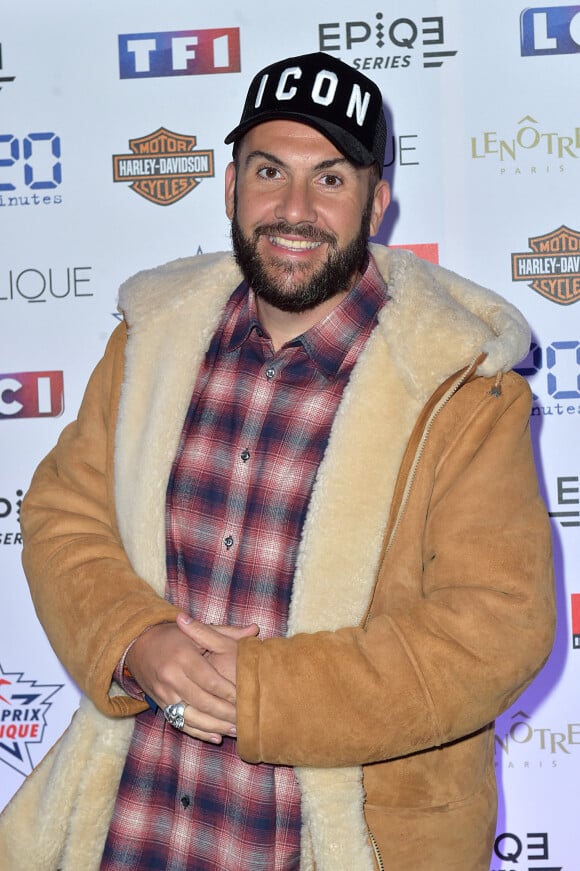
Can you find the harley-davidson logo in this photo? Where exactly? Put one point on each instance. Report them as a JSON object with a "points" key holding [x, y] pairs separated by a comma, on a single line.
{"points": [[552, 267], [163, 166]]}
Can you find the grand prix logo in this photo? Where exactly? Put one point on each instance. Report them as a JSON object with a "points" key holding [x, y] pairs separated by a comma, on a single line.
{"points": [[23, 709], [552, 267], [163, 166]]}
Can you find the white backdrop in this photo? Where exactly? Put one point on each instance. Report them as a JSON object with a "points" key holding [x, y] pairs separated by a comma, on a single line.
{"points": [[484, 153]]}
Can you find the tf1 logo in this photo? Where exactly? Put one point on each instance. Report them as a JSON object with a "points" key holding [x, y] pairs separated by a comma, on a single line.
{"points": [[179, 53], [31, 394], [550, 30]]}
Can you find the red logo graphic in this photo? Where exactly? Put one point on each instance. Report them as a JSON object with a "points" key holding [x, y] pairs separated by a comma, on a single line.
{"points": [[575, 597], [31, 394], [163, 167], [426, 251]]}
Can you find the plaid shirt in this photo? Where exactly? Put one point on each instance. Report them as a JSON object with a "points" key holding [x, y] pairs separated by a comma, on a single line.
{"points": [[253, 439]]}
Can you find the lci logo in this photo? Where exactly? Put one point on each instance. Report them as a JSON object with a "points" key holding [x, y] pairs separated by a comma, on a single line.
{"points": [[179, 53], [31, 394], [163, 167], [23, 708], [550, 30], [552, 267]]}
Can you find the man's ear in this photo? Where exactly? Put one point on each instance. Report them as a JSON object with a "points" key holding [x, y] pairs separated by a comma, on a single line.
{"points": [[230, 189], [381, 200]]}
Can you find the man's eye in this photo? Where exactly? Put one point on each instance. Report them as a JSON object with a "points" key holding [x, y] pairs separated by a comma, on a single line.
{"points": [[269, 172], [332, 181]]}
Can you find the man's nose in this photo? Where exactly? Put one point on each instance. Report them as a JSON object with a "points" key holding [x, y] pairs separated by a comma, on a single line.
{"points": [[296, 203]]}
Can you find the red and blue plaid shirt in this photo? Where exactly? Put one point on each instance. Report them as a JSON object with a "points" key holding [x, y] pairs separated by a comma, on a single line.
{"points": [[251, 444]]}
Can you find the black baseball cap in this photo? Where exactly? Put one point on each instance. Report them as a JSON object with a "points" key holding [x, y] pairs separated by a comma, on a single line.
{"points": [[325, 93]]}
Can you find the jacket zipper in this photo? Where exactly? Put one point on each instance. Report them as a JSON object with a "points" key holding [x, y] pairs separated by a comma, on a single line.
{"points": [[377, 852], [466, 374], [439, 405]]}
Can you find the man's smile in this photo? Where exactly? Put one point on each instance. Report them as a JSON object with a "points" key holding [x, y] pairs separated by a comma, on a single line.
{"points": [[294, 244]]}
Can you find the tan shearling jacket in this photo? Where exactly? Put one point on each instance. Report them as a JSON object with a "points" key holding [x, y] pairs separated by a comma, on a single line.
{"points": [[422, 603]]}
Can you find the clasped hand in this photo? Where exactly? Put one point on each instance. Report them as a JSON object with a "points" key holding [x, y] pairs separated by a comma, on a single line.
{"points": [[195, 663]]}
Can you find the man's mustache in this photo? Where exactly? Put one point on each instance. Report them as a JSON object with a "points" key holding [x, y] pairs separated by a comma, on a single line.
{"points": [[305, 231]]}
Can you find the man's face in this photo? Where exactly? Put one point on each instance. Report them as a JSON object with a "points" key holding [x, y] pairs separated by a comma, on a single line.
{"points": [[301, 215]]}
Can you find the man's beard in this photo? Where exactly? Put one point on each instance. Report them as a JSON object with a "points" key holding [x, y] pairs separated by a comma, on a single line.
{"points": [[334, 276]]}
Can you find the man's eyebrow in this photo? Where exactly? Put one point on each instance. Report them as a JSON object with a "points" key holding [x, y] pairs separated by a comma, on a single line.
{"points": [[331, 163]]}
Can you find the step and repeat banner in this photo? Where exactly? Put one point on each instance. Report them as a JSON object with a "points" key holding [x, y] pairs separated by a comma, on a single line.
{"points": [[112, 120]]}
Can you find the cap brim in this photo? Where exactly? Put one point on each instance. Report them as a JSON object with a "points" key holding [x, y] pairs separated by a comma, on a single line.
{"points": [[346, 144]]}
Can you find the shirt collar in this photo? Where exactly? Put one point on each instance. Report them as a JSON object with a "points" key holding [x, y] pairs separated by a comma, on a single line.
{"points": [[327, 342]]}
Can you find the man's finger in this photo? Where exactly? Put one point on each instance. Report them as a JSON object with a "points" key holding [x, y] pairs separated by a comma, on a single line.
{"points": [[207, 636]]}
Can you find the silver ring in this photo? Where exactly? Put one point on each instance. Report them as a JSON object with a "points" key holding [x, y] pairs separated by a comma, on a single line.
{"points": [[174, 714]]}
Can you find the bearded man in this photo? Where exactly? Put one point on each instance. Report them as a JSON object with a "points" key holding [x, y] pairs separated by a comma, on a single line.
{"points": [[292, 550]]}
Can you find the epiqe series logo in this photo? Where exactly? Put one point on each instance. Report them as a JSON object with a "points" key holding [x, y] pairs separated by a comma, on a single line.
{"points": [[179, 53], [4, 79], [524, 851], [30, 167], [163, 166], [10, 514], [40, 285], [31, 394], [567, 493], [550, 30], [552, 266], [24, 705], [529, 148], [388, 43]]}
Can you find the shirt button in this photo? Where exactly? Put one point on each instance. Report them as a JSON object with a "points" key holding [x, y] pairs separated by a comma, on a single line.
{"points": [[245, 455], [228, 541], [270, 372]]}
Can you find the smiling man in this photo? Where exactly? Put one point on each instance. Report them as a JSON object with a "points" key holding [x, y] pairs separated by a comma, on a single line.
{"points": [[283, 545], [301, 216]]}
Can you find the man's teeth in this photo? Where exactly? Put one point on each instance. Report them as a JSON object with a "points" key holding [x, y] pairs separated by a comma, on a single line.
{"points": [[294, 244]]}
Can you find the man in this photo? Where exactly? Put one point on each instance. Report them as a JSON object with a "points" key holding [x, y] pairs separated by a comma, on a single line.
{"points": [[297, 522]]}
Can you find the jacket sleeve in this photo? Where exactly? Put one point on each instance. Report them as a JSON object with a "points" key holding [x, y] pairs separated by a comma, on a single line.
{"points": [[87, 597], [462, 616]]}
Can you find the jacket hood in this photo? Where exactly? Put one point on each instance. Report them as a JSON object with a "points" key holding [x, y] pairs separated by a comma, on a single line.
{"points": [[439, 321]]}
